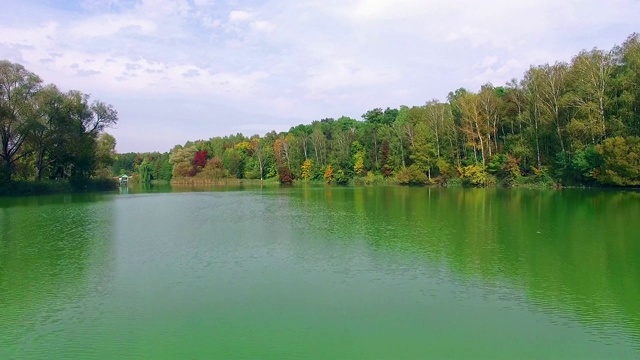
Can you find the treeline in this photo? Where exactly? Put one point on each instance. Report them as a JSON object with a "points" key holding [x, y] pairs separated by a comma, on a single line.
{"points": [[575, 123], [47, 134]]}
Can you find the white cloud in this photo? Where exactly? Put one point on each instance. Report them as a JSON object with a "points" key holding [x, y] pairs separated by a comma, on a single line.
{"points": [[37, 37], [262, 25], [203, 3], [345, 73], [372, 9], [109, 25], [164, 7], [496, 74], [240, 16], [487, 61]]}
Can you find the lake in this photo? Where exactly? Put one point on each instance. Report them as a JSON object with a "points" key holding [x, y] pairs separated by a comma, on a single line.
{"points": [[321, 273]]}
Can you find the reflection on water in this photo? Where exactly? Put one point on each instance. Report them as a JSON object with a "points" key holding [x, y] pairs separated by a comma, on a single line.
{"points": [[572, 252], [53, 254], [325, 272]]}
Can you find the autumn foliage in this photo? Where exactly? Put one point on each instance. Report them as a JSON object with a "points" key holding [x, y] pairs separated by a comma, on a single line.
{"points": [[200, 159], [306, 170], [328, 174], [285, 175], [567, 123]]}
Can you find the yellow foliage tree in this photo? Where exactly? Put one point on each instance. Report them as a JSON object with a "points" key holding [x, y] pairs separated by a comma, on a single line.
{"points": [[306, 170], [475, 175], [245, 146], [358, 166], [328, 174]]}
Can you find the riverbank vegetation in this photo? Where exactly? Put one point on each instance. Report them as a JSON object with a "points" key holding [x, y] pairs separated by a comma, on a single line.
{"points": [[570, 124], [50, 140], [562, 124]]}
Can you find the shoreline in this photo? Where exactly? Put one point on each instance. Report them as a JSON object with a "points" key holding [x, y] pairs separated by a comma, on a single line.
{"points": [[32, 188]]}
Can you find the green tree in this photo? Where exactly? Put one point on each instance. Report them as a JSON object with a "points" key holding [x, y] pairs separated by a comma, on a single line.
{"points": [[620, 161], [423, 152], [18, 88], [625, 99], [591, 81], [146, 172], [181, 158], [105, 153], [45, 130], [234, 162]]}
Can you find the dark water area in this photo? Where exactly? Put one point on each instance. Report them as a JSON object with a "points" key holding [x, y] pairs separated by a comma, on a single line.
{"points": [[321, 272]]}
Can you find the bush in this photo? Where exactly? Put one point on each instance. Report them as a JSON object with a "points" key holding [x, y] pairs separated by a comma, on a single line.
{"points": [[540, 179], [284, 175], [412, 176], [453, 182], [579, 169], [373, 179], [341, 178], [473, 175], [620, 161], [504, 167], [445, 169], [214, 169]]}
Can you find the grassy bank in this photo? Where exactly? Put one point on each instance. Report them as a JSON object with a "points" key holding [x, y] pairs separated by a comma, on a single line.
{"points": [[229, 181]]}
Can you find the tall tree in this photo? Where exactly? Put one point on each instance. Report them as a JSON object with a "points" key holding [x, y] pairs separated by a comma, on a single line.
{"points": [[18, 88], [473, 124], [490, 105], [319, 142], [531, 86], [45, 130], [374, 119], [626, 106], [553, 91], [106, 152], [423, 152], [591, 79]]}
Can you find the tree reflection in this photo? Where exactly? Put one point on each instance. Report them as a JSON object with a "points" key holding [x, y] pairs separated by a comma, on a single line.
{"points": [[573, 251]]}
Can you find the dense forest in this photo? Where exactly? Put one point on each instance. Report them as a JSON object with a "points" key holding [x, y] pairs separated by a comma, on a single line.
{"points": [[47, 135], [573, 124]]}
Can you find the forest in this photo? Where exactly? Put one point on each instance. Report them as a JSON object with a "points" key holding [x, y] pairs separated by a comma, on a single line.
{"points": [[49, 138], [573, 123]]}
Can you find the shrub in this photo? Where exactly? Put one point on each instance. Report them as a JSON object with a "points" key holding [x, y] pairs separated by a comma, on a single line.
{"points": [[412, 176], [473, 175], [620, 161], [284, 175]]}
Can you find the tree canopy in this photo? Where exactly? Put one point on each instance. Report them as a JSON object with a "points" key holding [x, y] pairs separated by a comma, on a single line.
{"points": [[572, 123], [47, 133]]}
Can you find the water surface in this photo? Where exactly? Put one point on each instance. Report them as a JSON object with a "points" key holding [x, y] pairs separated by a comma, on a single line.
{"points": [[322, 273]]}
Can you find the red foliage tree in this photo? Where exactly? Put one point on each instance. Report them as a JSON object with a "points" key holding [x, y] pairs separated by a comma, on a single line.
{"points": [[285, 175], [200, 159]]}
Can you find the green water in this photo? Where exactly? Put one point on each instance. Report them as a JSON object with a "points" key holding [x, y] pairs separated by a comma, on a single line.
{"points": [[322, 273]]}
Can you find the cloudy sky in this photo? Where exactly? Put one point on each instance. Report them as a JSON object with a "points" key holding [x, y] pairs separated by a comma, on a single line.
{"points": [[179, 70]]}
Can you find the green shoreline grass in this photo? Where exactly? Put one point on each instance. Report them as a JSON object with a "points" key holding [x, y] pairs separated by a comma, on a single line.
{"points": [[358, 181]]}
